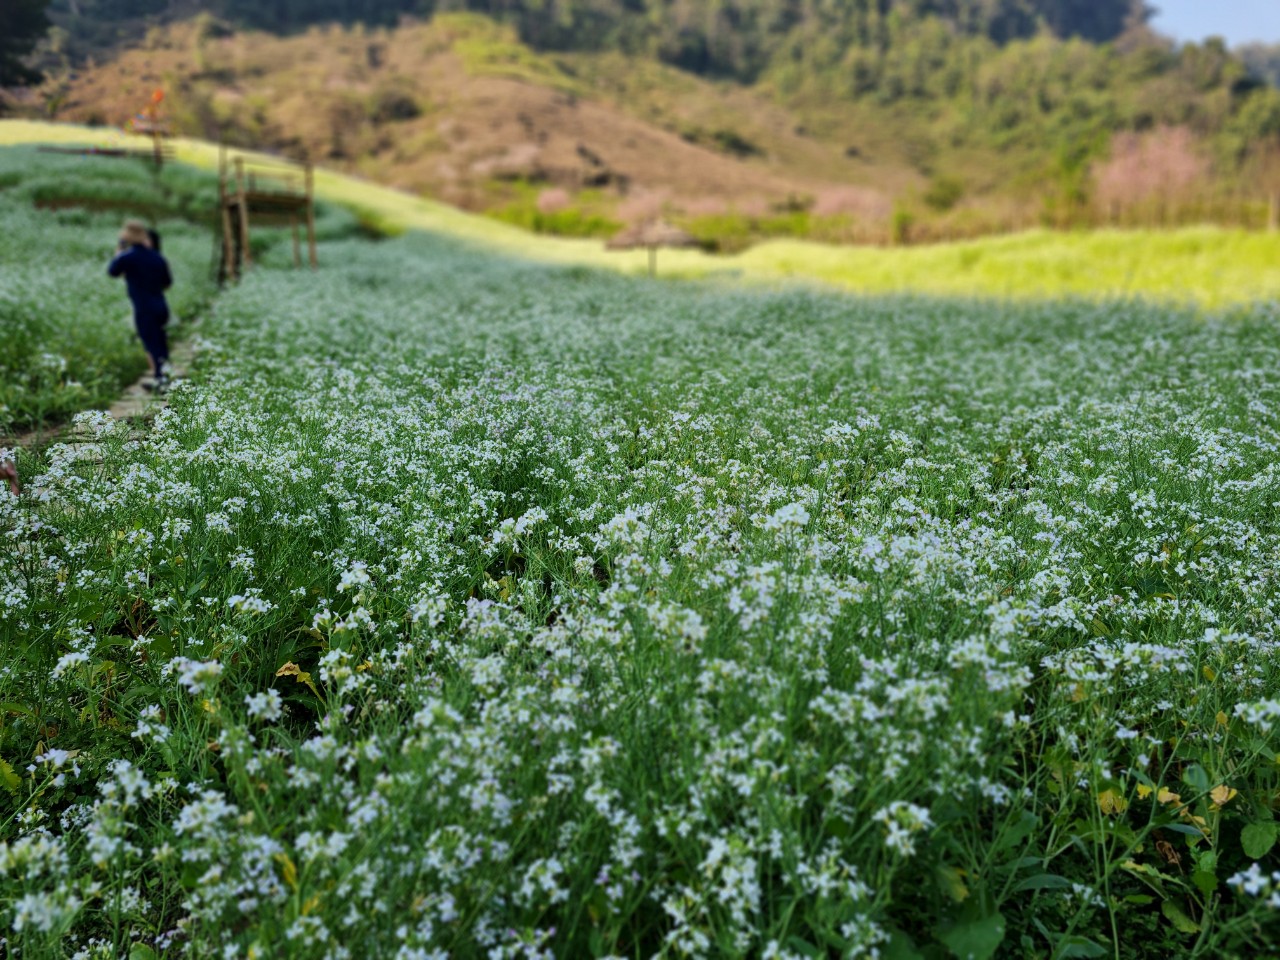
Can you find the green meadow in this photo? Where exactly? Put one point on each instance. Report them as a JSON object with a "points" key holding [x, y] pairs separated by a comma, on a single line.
{"points": [[1207, 267], [470, 601]]}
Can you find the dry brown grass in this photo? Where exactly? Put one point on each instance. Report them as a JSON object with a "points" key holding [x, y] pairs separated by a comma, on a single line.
{"points": [[455, 109]]}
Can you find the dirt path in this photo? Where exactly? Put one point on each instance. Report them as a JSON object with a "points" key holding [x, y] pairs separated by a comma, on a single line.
{"points": [[136, 405]]}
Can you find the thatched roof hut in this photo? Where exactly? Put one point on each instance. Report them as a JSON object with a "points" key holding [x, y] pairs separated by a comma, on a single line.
{"points": [[651, 236]]}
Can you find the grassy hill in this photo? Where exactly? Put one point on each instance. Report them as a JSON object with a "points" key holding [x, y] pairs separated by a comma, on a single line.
{"points": [[1206, 266], [458, 605], [576, 143]]}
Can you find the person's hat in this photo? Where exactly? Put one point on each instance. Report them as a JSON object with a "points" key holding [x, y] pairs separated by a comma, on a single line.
{"points": [[134, 233]]}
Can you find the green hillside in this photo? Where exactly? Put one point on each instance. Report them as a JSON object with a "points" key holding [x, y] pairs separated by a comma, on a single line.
{"points": [[914, 131], [457, 605], [738, 38], [1206, 267], [1060, 74]]}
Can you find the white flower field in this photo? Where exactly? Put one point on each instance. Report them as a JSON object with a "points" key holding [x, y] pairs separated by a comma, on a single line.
{"points": [[464, 608]]}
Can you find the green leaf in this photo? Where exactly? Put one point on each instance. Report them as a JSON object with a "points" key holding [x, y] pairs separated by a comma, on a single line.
{"points": [[141, 691], [1175, 915], [1043, 881], [832, 939], [162, 647], [1184, 828], [1196, 776], [804, 947], [1078, 946], [977, 937], [141, 951], [8, 778], [951, 883], [1205, 882], [900, 947], [1258, 839], [1017, 833]]}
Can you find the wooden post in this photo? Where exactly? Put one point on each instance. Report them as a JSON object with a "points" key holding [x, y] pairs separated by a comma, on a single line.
{"points": [[228, 243], [222, 211], [297, 243], [311, 215], [243, 200]]}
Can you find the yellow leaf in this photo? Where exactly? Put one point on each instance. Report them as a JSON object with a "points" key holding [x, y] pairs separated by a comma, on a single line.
{"points": [[1143, 791], [1209, 673], [1168, 796], [1221, 795], [311, 906], [8, 779], [288, 871], [1222, 719], [1134, 867], [1112, 803], [291, 669], [951, 880]]}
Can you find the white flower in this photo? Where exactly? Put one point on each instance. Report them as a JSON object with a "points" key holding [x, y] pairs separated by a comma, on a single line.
{"points": [[69, 660], [196, 676], [265, 706], [902, 821], [792, 517]]}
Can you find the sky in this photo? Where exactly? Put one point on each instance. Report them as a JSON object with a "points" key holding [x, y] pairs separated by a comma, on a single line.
{"points": [[1240, 21]]}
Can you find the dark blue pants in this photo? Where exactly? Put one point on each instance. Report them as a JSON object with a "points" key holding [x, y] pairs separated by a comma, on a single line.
{"points": [[150, 327]]}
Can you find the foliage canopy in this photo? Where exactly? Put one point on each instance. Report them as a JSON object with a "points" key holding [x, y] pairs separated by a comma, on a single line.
{"points": [[735, 38], [22, 24]]}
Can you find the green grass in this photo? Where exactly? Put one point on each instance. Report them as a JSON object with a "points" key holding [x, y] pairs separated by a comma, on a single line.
{"points": [[464, 605], [67, 341], [490, 49], [66, 332], [584, 217], [1207, 267]]}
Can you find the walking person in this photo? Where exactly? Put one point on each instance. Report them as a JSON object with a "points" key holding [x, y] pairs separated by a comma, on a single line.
{"points": [[147, 276]]}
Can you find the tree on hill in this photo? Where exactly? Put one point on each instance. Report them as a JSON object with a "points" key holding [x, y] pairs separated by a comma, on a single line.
{"points": [[1096, 20], [732, 38], [22, 24], [1263, 61]]}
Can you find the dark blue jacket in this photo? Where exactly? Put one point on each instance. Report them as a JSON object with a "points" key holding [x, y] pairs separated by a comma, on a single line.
{"points": [[147, 275]]}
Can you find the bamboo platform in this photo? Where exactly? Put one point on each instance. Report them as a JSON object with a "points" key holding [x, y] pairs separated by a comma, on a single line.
{"points": [[257, 191]]}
